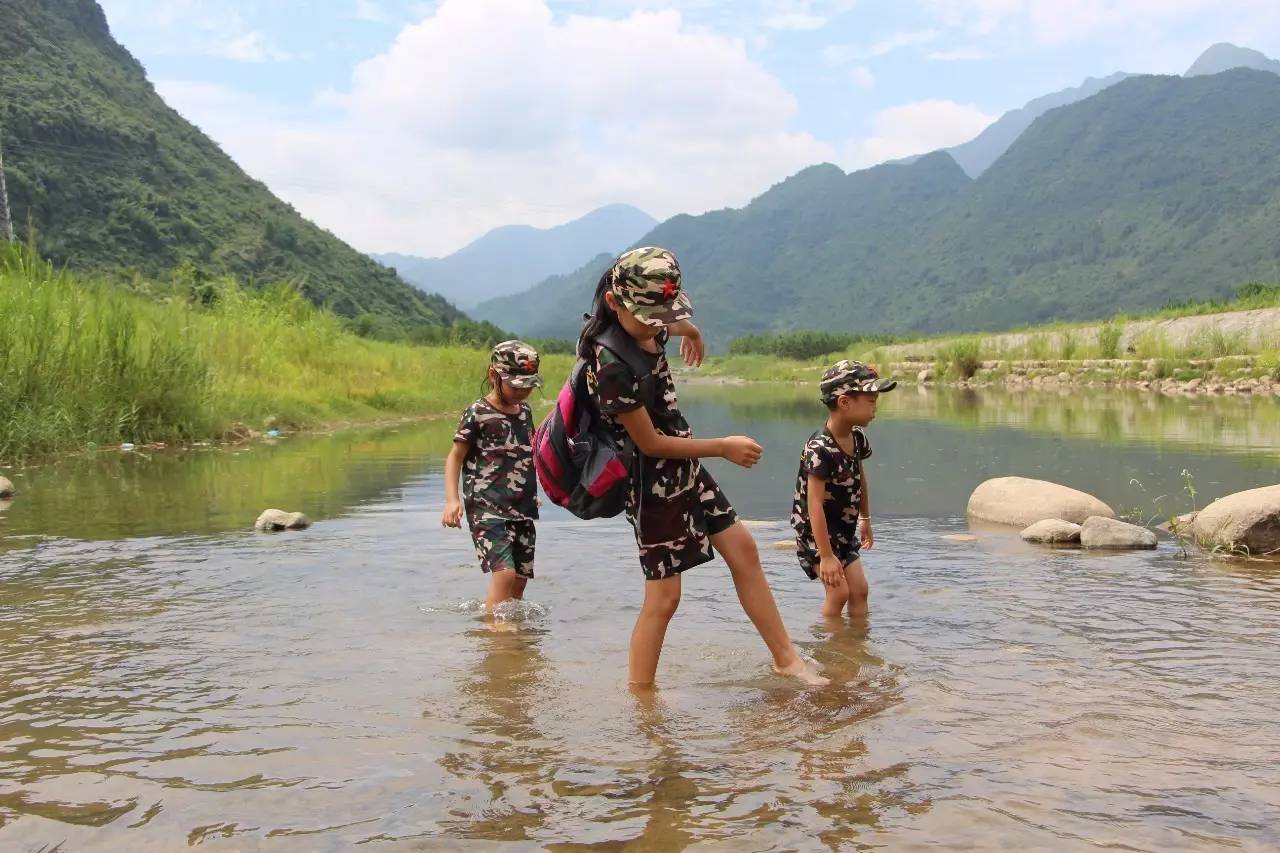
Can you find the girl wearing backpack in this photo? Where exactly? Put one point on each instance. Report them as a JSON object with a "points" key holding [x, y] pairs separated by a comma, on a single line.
{"points": [[674, 505], [493, 449]]}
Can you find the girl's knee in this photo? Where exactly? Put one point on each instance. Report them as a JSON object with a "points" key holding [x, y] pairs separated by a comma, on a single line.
{"points": [[662, 598]]}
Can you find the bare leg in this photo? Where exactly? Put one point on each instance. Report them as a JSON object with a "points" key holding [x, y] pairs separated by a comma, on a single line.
{"points": [[501, 587], [856, 581], [739, 551], [517, 588], [833, 604], [661, 598]]}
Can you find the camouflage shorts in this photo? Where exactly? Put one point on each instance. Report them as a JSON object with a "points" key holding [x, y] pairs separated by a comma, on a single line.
{"points": [[503, 544], [674, 534], [844, 544]]}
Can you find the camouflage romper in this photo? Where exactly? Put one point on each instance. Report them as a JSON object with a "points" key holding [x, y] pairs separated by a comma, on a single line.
{"points": [[825, 458], [498, 486], [674, 505]]}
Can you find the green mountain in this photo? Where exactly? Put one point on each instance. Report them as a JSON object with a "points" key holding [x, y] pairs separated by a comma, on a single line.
{"points": [[515, 257], [977, 155], [113, 181], [1156, 189]]}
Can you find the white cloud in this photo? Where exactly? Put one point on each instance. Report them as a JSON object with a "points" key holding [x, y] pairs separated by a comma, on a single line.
{"points": [[862, 77], [250, 46], [843, 54], [1059, 22], [369, 10], [795, 21], [191, 28], [473, 119], [916, 128], [959, 54]]}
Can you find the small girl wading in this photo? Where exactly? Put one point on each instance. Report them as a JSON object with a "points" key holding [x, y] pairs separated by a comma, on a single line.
{"points": [[493, 448], [677, 510]]}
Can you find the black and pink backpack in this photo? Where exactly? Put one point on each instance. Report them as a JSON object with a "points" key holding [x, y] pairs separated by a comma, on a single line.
{"points": [[582, 465]]}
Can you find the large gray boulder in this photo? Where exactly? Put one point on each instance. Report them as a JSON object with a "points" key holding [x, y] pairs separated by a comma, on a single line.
{"points": [[278, 519], [1246, 523], [1052, 531], [1099, 532], [6, 489], [1022, 502]]}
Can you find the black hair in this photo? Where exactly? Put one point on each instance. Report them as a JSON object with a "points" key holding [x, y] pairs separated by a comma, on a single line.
{"points": [[488, 384], [601, 318]]}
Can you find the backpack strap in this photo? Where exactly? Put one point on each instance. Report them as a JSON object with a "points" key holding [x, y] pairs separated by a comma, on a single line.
{"points": [[625, 347]]}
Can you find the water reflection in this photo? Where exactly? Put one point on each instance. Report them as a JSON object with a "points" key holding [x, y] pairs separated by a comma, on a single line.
{"points": [[932, 446], [507, 765], [112, 495]]}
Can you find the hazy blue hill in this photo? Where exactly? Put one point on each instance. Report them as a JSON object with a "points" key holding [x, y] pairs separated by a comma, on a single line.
{"points": [[1153, 190], [1224, 56], [977, 155], [113, 181], [514, 257]]}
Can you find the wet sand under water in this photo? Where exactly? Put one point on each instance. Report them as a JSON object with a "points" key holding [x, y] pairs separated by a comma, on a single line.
{"points": [[193, 684]]}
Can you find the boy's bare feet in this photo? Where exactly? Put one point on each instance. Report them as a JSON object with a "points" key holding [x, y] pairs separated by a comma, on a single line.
{"points": [[803, 670]]}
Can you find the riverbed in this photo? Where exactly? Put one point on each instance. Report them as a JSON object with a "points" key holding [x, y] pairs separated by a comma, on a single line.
{"points": [[170, 678]]}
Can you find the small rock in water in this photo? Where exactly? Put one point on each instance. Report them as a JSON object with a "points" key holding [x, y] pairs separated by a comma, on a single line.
{"points": [[6, 489], [273, 433], [126, 446], [783, 545], [960, 537], [1052, 531], [1099, 532], [278, 519], [751, 522]]}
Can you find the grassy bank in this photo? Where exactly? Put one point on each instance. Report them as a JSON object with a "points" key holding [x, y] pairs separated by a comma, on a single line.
{"points": [[83, 361], [1145, 346]]}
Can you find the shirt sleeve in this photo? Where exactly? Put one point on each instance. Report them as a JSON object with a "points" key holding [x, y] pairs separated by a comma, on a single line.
{"points": [[617, 389], [816, 461], [861, 444], [467, 427]]}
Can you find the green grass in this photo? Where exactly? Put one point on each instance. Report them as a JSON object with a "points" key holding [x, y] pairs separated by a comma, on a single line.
{"points": [[86, 361], [958, 356]]}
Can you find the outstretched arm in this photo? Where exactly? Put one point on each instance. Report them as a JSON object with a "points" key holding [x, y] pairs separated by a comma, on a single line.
{"points": [[738, 449]]}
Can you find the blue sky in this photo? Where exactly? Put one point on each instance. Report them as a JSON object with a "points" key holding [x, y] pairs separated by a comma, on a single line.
{"points": [[413, 126]]}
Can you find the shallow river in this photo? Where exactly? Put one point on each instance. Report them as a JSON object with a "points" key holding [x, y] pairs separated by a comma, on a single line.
{"points": [[170, 678]]}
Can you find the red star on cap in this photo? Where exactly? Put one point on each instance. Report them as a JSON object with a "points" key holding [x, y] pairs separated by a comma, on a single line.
{"points": [[669, 288], [529, 366]]}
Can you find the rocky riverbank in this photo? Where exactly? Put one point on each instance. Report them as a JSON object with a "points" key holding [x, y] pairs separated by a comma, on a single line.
{"points": [[1227, 376]]}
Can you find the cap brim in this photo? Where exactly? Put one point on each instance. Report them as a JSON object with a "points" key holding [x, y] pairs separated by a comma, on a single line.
{"points": [[883, 385], [662, 315], [522, 381]]}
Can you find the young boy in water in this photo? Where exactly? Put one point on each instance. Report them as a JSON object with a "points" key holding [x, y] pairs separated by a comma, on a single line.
{"points": [[831, 489]]}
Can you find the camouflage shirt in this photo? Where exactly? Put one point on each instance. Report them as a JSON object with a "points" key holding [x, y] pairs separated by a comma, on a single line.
{"points": [[823, 457], [497, 476], [616, 390]]}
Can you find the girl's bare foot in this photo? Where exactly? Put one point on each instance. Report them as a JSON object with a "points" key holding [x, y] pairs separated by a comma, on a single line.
{"points": [[803, 670]]}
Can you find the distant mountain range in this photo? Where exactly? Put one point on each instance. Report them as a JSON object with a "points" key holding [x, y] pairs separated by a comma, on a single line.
{"points": [[1151, 190], [515, 257], [112, 181]]}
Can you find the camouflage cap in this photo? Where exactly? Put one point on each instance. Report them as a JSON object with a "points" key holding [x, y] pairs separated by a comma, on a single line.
{"points": [[517, 363], [647, 283], [850, 377]]}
